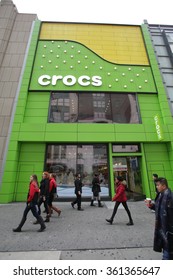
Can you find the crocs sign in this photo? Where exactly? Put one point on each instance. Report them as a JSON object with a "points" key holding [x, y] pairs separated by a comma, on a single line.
{"points": [[70, 80]]}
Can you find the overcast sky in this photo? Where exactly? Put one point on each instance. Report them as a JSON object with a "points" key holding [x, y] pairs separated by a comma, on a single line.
{"points": [[100, 11]]}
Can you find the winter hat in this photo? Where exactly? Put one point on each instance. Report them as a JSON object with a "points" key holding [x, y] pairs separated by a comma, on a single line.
{"points": [[120, 178]]}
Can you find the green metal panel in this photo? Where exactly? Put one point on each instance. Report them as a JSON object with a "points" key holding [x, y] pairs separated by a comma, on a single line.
{"points": [[71, 60]]}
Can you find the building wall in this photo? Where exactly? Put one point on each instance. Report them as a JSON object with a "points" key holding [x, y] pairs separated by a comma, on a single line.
{"points": [[15, 30], [162, 43], [31, 131]]}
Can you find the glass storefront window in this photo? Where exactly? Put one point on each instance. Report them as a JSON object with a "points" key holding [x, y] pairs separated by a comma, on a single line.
{"points": [[68, 160], [93, 108]]}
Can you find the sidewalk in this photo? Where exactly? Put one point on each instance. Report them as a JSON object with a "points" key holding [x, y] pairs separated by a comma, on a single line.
{"points": [[79, 234]]}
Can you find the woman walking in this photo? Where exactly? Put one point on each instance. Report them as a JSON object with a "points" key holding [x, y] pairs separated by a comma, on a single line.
{"points": [[52, 191], [96, 190], [119, 198], [32, 205]]}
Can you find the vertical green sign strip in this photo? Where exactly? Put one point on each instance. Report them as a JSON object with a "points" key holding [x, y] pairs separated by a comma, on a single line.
{"points": [[158, 127]]}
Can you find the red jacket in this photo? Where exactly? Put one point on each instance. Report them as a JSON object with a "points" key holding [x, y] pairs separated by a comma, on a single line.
{"points": [[120, 193], [52, 186], [33, 192]]}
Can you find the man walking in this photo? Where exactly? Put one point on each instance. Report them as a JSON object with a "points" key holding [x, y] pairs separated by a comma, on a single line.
{"points": [[163, 206], [78, 192]]}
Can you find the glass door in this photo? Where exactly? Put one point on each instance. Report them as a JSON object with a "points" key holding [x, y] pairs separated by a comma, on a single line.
{"points": [[129, 168]]}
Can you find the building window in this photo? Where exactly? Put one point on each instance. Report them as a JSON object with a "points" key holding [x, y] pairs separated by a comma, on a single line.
{"points": [[67, 160], [93, 108]]}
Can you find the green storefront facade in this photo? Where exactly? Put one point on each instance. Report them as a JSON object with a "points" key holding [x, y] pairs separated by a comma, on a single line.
{"points": [[78, 110]]}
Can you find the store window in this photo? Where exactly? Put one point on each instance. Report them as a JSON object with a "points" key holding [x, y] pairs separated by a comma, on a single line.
{"points": [[68, 160], [93, 108]]}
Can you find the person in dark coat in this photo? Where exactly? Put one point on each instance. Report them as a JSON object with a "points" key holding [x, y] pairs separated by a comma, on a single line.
{"points": [[31, 204], [120, 197], [96, 189], [44, 195], [78, 192], [163, 206]]}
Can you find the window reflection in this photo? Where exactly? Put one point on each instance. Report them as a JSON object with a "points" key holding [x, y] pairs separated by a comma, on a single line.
{"points": [[93, 108], [67, 160], [63, 107]]}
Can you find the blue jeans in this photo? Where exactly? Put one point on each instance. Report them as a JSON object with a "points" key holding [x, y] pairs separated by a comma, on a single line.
{"points": [[166, 255]]}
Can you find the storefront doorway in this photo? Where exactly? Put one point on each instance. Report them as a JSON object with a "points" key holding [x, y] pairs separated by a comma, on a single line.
{"points": [[129, 168]]}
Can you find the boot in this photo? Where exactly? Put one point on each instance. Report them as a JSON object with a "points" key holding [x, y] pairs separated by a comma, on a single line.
{"points": [[99, 204], [130, 223], [47, 220], [72, 204], [41, 222], [42, 228], [92, 202], [56, 210], [18, 229], [59, 212], [109, 221]]}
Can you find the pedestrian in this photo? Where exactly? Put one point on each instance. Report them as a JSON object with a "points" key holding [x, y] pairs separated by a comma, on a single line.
{"points": [[78, 192], [52, 192], [96, 189], [120, 197], [44, 195], [163, 206], [31, 204], [155, 177]]}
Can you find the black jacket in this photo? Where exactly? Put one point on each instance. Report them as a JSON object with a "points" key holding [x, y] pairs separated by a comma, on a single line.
{"points": [[78, 186], [44, 187], [96, 185], [163, 236]]}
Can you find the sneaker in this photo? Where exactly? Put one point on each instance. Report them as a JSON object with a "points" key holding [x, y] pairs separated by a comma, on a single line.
{"points": [[80, 209]]}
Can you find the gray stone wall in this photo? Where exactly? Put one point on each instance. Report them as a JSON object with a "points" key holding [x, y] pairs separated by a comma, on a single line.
{"points": [[15, 31]]}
